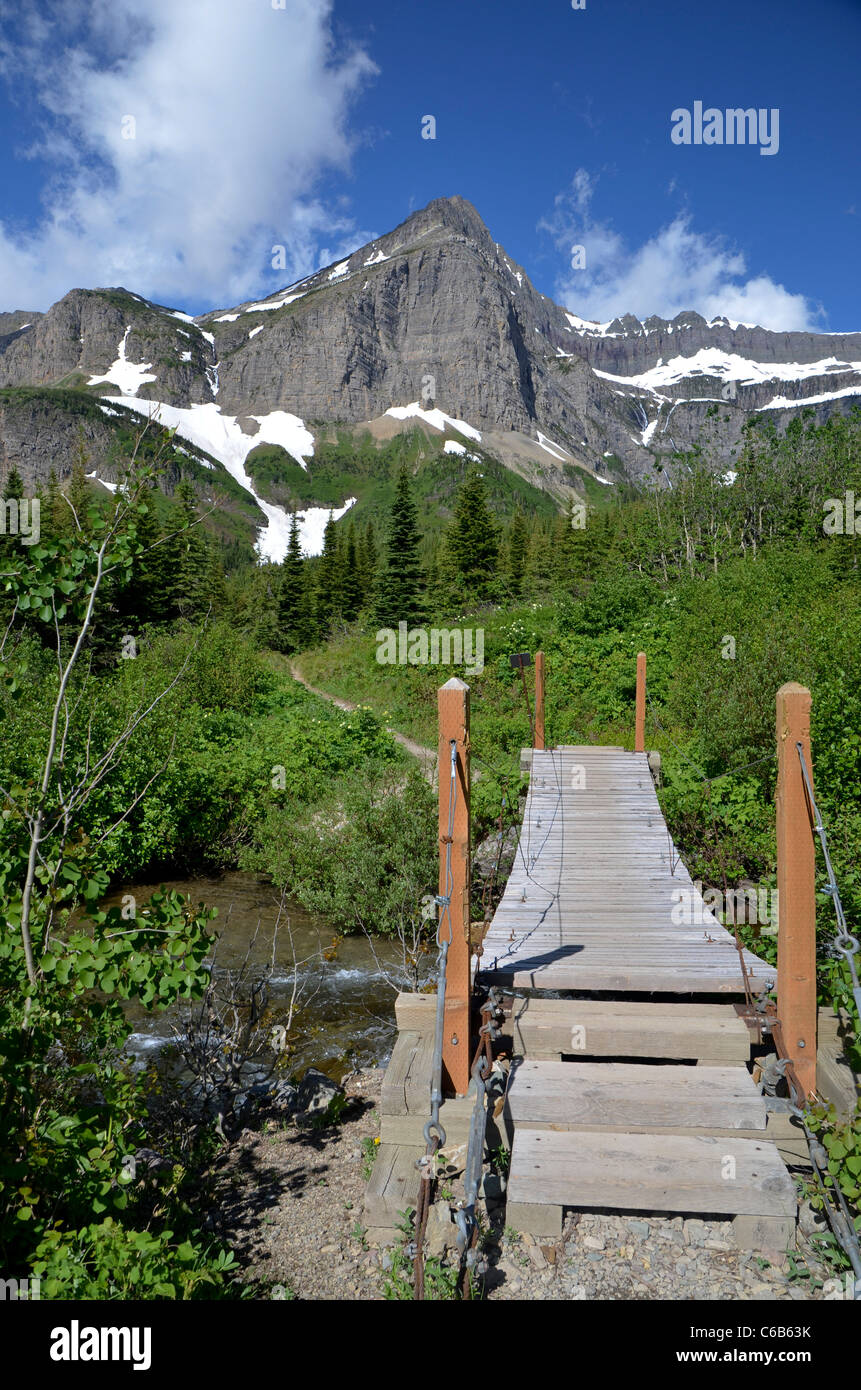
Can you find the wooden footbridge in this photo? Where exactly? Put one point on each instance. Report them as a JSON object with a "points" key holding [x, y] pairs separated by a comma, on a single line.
{"points": [[630, 1016]]}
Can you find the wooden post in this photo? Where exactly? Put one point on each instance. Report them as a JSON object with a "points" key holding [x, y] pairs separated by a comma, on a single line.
{"points": [[539, 700], [640, 723], [453, 698], [796, 886]]}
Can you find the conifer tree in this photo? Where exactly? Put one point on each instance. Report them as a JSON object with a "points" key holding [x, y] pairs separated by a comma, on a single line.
{"points": [[351, 583], [399, 591], [56, 515], [78, 491], [473, 542], [191, 549], [290, 617], [518, 546], [13, 491], [329, 578]]}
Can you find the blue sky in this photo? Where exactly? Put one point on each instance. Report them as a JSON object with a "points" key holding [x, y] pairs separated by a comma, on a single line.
{"points": [[300, 126]]}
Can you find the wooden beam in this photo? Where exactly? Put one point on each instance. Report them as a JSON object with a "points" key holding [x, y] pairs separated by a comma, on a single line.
{"points": [[454, 881], [796, 884], [640, 725], [539, 700]]}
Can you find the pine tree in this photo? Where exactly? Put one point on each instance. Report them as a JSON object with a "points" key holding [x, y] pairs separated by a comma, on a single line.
{"points": [[150, 596], [518, 550], [78, 491], [473, 542], [13, 491], [290, 617], [191, 551], [351, 583], [399, 592], [56, 515], [368, 557], [329, 578]]}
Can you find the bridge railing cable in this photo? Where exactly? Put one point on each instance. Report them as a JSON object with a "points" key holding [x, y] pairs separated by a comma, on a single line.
{"points": [[844, 942]]}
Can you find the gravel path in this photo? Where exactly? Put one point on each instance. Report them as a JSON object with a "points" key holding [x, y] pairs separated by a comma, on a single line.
{"points": [[289, 1202], [426, 756], [617, 1257]]}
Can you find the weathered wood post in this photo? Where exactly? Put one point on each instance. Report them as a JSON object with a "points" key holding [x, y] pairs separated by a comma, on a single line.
{"points": [[796, 886], [538, 740], [640, 721], [454, 880]]}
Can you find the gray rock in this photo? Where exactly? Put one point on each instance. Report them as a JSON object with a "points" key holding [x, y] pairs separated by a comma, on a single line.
{"points": [[148, 1160], [638, 1228], [695, 1232], [316, 1091], [810, 1222]]}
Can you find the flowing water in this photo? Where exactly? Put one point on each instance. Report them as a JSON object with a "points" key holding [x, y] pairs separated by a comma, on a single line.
{"points": [[346, 1005]]}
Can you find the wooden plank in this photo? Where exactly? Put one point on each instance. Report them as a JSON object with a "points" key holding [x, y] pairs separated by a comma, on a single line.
{"points": [[393, 1099], [393, 1185], [646, 979], [650, 1172], [593, 1028], [621, 1094], [415, 1012]]}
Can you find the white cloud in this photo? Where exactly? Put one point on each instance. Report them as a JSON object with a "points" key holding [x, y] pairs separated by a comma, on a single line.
{"points": [[238, 108], [677, 268]]}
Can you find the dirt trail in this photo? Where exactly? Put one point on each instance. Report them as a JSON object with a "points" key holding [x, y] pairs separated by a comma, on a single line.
{"points": [[426, 756]]}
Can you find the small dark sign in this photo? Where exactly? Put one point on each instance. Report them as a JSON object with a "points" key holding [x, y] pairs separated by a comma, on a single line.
{"points": [[520, 659]]}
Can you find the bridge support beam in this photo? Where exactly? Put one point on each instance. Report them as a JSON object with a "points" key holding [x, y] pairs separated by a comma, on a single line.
{"points": [[454, 881], [538, 741], [796, 884], [640, 723]]}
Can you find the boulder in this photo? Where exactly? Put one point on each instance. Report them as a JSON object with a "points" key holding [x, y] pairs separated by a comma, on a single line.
{"points": [[316, 1092]]}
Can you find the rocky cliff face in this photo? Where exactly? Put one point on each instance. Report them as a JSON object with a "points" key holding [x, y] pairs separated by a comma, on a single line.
{"points": [[436, 313]]}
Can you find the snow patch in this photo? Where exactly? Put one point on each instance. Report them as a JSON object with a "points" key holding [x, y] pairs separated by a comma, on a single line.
{"points": [[728, 366], [340, 270], [435, 418], [111, 487], [186, 356], [453, 446], [272, 303], [128, 376], [549, 447], [597, 330], [784, 403], [376, 259], [220, 435], [226, 318], [255, 331]]}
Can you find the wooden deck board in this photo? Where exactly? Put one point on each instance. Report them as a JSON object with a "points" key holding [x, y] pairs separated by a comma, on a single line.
{"points": [[598, 898], [650, 1172], [562, 1095]]}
